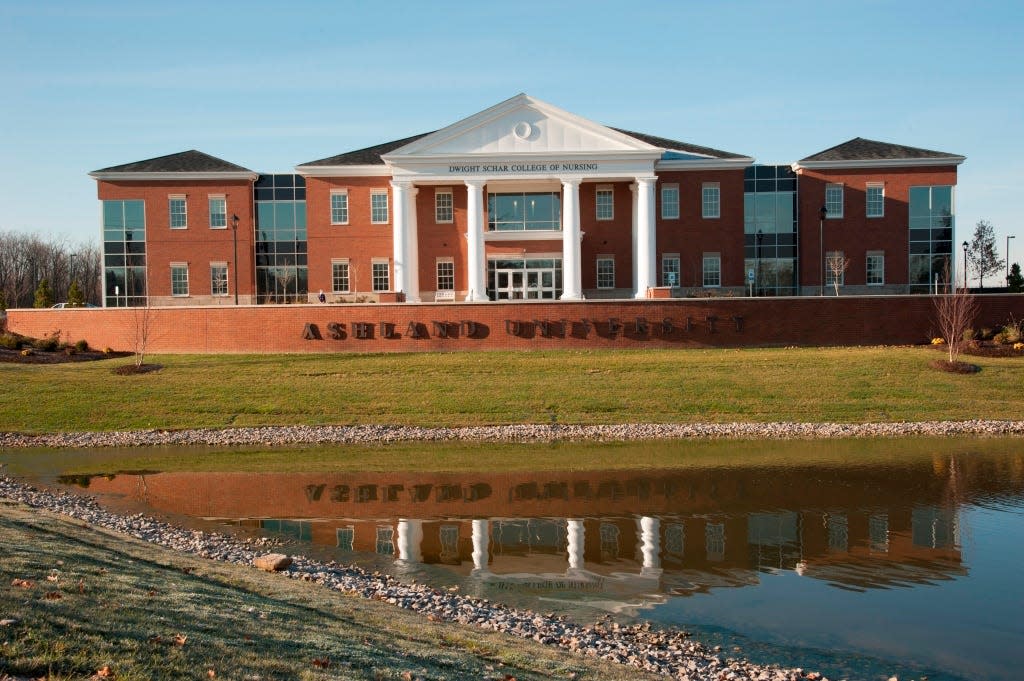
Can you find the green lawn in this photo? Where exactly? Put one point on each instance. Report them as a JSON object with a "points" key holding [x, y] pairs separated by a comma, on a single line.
{"points": [[718, 385]]}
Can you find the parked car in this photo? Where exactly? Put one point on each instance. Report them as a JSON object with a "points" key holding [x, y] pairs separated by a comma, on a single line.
{"points": [[61, 306]]}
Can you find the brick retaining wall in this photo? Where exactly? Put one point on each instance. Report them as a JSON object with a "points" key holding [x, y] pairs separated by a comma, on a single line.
{"points": [[712, 322]]}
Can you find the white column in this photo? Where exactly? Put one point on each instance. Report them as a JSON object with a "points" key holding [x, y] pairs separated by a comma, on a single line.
{"points": [[575, 533], [572, 285], [410, 538], [633, 189], [475, 236], [481, 539], [650, 544], [400, 235], [412, 280], [646, 246]]}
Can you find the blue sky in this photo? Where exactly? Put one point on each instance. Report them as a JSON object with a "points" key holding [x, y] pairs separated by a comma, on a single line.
{"points": [[270, 85]]}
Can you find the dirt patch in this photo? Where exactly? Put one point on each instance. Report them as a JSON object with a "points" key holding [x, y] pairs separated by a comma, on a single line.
{"points": [[991, 350], [132, 369], [955, 367]]}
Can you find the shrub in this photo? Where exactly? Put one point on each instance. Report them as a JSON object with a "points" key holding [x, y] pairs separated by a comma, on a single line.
{"points": [[82, 345], [986, 333], [27, 352], [968, 335], [108, 351], [10, 341], [1018, 346], [48, 344], [44, 295], [1012, 333], [938, 341], [999, 338], [70, 350]]}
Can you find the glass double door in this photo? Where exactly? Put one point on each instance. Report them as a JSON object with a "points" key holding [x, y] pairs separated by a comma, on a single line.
{"points": [[525, 279]]}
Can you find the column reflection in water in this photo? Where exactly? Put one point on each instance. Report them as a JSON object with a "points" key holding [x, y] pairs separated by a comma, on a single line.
{"points": [[575, 533], [650, 545], [410, 540], [481, 539]]}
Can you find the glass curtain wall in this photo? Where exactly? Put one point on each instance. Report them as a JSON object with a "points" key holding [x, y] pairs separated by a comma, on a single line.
{"points": [[931, 238], [524, 211], [124, 253], [770, 229], [282, 273]]}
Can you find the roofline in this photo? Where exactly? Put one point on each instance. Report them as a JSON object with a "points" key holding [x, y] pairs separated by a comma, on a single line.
{"points": [[167, 176], [373, 170], [705, 164], [879, 163]]}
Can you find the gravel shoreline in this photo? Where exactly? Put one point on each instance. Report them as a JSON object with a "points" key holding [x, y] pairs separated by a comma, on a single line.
{"points": [[313, 435], [668, 652]]}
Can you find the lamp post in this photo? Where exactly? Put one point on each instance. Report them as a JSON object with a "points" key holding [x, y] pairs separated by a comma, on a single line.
{"points": [[821, 248], [1008, 237], [234, 238], [965, 245]]}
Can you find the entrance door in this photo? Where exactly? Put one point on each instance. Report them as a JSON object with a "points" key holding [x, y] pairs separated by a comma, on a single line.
{"points": [[532, 279]]}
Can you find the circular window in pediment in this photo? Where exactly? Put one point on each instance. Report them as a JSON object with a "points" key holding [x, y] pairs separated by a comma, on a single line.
{"points": [[522, 130]]}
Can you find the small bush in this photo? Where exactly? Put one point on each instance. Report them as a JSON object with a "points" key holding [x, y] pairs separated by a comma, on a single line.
{"points": [[27, 352], [70, 350], [49, 344], [108, 351], [999, 338], [938, 341], [968, 335], [82, 345], [985, 334], [10, 341], [1018, 346], [1012, 333]]}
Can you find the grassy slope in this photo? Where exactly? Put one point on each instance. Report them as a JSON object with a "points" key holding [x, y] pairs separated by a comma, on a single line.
{"points": [[122, 603], [800, 384]]}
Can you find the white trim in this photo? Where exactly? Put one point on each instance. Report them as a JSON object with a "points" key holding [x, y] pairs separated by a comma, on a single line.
{"points": [[233, 175], [880, 163], [710, 164], [524, 235]]}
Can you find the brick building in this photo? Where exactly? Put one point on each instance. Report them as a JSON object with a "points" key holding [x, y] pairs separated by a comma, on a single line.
{"points": [[527, 201]]}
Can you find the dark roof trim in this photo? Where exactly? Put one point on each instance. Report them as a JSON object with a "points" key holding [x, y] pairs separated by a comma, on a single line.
{"points": [[185, 162]]}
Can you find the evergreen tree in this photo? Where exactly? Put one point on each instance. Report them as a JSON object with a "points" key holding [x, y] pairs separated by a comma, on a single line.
{"points": [[981, 253], [44, 296], [1015, 281], [75, 296]]}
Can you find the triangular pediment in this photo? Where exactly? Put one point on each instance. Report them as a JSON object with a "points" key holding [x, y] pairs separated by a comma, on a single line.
{"points": [[521, 125]]}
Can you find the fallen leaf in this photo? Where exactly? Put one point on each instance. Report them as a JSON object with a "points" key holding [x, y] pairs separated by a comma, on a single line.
{"points": [[105, 672], [53, 596], [23, 583], [179, 639], [321, 663], [81, 586], [431, 617], [509, 677], [151, 593], [155, 638], [52, 578], [212, 674], [407, 676]]}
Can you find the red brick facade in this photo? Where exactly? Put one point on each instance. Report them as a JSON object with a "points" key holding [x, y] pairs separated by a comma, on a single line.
{"points": [[674, 323]]}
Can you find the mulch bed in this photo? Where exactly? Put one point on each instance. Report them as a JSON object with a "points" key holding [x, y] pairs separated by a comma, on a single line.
{"points": [[954, 367], [56, 357]]}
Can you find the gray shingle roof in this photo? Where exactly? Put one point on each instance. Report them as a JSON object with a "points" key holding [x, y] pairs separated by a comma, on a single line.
{"points": [[365, 157], [191, 161], [676, 145], [860, 149]]}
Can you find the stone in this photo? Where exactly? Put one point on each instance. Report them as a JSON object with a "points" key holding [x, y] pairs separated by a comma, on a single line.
{"points": [[272, 562]]}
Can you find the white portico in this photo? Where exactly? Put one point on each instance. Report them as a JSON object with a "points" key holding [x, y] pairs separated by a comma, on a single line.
{"points": [[522, 150]]}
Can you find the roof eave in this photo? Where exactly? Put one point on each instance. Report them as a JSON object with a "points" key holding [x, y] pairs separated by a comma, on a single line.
{"points": [[170, 176], [880, 163], [705, 164], [374, 170]]}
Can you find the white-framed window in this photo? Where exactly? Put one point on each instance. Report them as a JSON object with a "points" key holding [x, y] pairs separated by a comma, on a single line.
{"points": [[605, 203], [218, 212], [339, 207], [710, 200], [179, 279], [875, 196], [385, 540], [714, 541], [875, 268], [346, 537], [670, 202], [379, 206], [218, 278], [177, 208], [339, 275], [445, 268], [835, 268], [712, 270], [605, 271], [670, 273], [443, 205], [381, 275], [834, 201]]}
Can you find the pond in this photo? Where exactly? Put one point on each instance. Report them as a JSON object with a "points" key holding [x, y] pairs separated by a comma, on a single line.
{"points": [[860, 559]]}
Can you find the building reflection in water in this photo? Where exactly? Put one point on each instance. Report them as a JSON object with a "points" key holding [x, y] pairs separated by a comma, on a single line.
{"points": [[650, 534]]}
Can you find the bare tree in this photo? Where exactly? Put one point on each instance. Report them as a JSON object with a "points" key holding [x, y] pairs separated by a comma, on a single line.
{"points": [[26, 259], [142, 327], [837, 266], [955, 313]]}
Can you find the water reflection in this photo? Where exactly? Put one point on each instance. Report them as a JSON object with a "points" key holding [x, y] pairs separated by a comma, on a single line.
{"points": [[656, 533]]}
